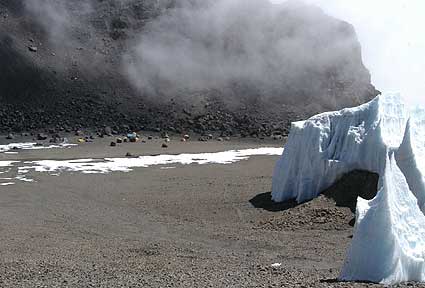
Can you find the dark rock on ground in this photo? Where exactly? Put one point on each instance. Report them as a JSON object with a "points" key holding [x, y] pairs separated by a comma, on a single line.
{"points": [[42, 136]]}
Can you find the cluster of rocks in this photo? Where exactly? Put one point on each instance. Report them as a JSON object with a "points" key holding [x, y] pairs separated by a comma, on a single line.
{"points": [[106, 119], [131, 137]]}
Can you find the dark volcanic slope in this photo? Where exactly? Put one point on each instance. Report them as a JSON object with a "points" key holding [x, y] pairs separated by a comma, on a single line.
{"points": [[62, 66]]}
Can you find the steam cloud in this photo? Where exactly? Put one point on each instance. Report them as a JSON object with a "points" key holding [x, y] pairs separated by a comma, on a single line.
{"points": [[253, 48], [57, 19], [274, 48]]}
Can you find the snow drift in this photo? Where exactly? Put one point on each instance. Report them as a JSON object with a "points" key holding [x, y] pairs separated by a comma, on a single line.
{"points": [[383, 136]]}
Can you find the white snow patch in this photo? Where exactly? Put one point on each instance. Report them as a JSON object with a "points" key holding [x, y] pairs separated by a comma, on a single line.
{"points": [[7, 163], [24, 179], [167, 168], [31, 146], [107, 165], [7, 184], [382, 136]]}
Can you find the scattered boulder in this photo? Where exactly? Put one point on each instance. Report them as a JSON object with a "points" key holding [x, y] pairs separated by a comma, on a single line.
{"points": [[41, 136], [32, 48], [132, 136], [107, 131]]}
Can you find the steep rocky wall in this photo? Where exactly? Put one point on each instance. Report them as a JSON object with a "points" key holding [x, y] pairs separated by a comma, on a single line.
{"points": [[66, 68]]}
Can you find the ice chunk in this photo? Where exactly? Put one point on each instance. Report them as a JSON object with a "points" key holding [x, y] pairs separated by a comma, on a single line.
{"points": [[389, 240], [383, 136]]}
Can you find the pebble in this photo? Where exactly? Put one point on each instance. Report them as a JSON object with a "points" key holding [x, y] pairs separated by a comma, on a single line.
{"points": [[41, 136]]}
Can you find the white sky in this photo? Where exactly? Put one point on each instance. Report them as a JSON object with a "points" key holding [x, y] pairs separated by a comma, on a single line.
{"points": [[392, 33]]}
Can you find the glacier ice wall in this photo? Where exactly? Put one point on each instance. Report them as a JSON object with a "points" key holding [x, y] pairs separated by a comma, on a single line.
{"points": [[388, 245], [383, 136]]}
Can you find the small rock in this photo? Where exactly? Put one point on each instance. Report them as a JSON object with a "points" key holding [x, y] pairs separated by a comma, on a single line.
{"points": [[128, 154], [132, 136], [41, 136], [113, 144], [10, 136], [150, 137], [119, 140], [107, 131], [164, 145], [32, 48], [220, 139], [186, 136]]}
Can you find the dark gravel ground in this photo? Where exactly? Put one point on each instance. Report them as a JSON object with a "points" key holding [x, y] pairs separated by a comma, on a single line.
{"points": [[193, 226]]}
